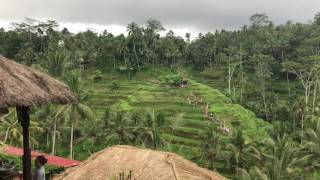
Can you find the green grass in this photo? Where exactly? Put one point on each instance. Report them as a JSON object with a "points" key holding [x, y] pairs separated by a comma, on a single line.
{"points": [[143, 93]]}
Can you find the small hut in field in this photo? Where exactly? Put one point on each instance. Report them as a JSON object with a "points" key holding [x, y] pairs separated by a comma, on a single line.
{"points": [[123, 162]]}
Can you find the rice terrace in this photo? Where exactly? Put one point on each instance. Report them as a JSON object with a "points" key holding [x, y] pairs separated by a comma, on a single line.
{"points": [[150, 90]]}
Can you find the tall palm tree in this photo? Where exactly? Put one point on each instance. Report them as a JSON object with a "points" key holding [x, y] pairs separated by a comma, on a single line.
{"points": [[10, 127], [122, 49], [211, 147], [73, 113], [312, 142], [299, 110], [119, 130], [282, 158], [44, 115], [152, 130], [26, 54], [241, 153], [134, 38], [47, 115], [13, 131], [254, 173], [56, 61]]}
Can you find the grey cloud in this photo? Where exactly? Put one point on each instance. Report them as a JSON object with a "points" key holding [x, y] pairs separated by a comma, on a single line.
{"points": [[203, 15]]}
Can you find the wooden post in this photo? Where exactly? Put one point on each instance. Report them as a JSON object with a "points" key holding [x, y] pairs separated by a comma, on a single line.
{"points": [[24, 119]]}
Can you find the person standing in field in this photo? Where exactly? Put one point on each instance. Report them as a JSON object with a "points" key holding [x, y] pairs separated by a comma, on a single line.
{"points": [[189, 100], [39, 173], [206, 110]]}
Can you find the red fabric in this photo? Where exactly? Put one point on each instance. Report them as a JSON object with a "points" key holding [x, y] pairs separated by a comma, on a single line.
{"points": [[53, 160]]}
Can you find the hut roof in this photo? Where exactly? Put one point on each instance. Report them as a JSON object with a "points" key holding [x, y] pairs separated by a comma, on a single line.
{"points": [[21, 85], [145, 164]]}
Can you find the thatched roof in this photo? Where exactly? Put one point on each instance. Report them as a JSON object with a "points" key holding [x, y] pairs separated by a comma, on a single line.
{"points": [[23, 86], [145, 164]]}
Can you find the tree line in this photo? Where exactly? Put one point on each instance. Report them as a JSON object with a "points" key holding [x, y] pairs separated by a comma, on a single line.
{"points": [[254, 57], [270, 69]]}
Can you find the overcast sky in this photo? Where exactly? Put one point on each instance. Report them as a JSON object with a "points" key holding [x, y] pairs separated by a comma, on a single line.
{"points": [[179, 15]]}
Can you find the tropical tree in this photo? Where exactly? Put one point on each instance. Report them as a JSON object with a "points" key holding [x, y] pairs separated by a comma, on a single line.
{"points": [[298, 111], [135, 43], [74, 113], [316, 19], [46, 115], [56, 61], [108, 50], [282, 158], [122, 49], [241, 153], [12, 130], [263, 73], [26, 54], [152, 130], [119, 129], [211, 147], [259, 20], [308, 74], [254, 173], [311, 144], [232, 59]]}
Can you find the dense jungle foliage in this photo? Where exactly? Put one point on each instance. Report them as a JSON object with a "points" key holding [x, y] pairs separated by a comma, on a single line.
{"points": [[241, 102]]}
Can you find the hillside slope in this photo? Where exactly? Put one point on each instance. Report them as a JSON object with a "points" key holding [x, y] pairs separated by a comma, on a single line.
{"points": [[145, 93]]}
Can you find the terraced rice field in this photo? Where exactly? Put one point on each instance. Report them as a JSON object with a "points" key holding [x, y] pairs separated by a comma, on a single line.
{"points": [[188, 119]]}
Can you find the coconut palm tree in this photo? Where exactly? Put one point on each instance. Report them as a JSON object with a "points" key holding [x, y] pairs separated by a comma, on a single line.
{"points": [[122, 49], [298, 112], [119, 130], [55, 61], [134, 41], [73, 113], [241, 153], [211, 147], [254, 173], [44, 115], [13, 131], [10, 127], [152, 130], [312, 141], [26, 54], [282, 158], [47, 115]]}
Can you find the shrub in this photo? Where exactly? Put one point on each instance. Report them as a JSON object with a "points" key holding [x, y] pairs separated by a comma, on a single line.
{"points": [[172, 80], [97, 75], [115, 86]]}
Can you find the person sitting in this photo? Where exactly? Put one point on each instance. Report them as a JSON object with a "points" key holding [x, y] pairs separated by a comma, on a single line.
{"points": [[226, 130], [184, 84], [39, 173]]}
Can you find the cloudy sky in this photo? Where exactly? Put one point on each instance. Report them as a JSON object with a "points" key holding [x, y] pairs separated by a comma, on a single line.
{"points": [[179, 15]]}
